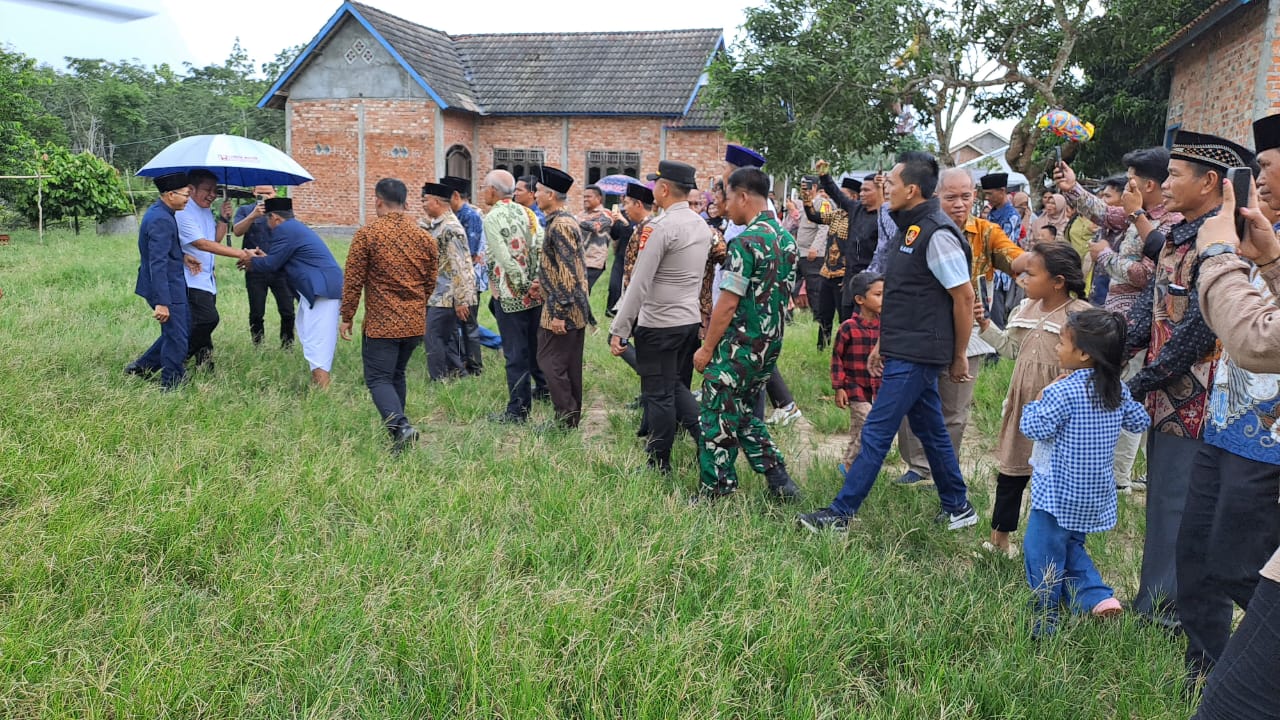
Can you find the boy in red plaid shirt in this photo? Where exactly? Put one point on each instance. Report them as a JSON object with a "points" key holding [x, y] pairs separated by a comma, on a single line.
{"points": [[854, 385]]}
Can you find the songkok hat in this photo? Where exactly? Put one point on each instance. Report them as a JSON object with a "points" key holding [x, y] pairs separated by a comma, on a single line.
{"points": [[171, 182], [1266, 133], [851, 184], [636, 191], [995, 181], [739, 156], [453, 182], [556, 179], [1210, 150], [278, 205], [439, 190], [682, 174]]}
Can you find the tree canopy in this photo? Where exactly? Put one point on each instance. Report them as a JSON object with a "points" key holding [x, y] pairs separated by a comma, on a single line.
{"points": [[826, 78], [123, 113]]}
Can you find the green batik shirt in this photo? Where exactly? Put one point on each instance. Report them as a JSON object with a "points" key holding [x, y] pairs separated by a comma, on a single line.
{"points": [[761, 270]]}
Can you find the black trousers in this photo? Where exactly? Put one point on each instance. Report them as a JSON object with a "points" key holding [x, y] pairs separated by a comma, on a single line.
{"points": [[1230, 527], [593, 274], [776, 390], [1008, 505], [560, 357], [472, 358], [444, 344], [828, 306], [204, 320], [1246, 684], [385, 360], [257, 284], [811, 272], [664, 360], [519, 332], [615, 283]]}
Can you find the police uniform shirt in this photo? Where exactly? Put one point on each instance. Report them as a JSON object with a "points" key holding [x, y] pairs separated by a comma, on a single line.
{"points": [[668, 274]]}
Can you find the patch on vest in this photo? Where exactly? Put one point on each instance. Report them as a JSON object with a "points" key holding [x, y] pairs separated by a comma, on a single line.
{"points": [[913, 232], [644, 236]]}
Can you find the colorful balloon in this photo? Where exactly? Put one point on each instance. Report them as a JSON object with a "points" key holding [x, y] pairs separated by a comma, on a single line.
{"points": [[1066, 126]]}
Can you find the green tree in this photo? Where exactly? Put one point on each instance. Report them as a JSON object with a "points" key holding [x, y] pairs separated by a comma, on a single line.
{"points": [[76, 185], [828, 77], [805, 81], [24, 123], [1127, 109]]}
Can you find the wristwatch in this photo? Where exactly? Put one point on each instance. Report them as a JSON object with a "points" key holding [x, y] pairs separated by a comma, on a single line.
{"points": [[1140, 212], [1217, 249]]}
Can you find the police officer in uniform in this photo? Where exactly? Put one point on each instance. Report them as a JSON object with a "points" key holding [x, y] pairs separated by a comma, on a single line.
{"points": [[742, 344], [660, 308]]}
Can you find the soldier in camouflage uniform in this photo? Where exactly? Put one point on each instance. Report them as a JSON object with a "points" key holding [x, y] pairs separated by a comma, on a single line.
{"points": [[743, 342]]}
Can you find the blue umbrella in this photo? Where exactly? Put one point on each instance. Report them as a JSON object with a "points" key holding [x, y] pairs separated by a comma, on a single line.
{"points": [[235, 160], [615, 184]]}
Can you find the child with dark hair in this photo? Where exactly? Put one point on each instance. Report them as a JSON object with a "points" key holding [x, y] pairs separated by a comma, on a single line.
{"points": [[1054, 284], [1075, 423], [854, 384]]}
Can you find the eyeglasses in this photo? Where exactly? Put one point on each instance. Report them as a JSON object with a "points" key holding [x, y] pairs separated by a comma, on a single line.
{"points": [[182, 194]]}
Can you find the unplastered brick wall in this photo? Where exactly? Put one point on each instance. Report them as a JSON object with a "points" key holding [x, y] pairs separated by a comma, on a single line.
{"points": [[703, 149], [399, 142], [1214, 79]]}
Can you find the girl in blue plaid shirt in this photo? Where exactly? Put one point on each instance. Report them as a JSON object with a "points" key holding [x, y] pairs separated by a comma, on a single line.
{"points": [[1075, 424]]}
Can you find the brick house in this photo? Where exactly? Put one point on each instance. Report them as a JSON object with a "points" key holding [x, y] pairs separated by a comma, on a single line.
{"points": [[1226, 69], [376, 96]]}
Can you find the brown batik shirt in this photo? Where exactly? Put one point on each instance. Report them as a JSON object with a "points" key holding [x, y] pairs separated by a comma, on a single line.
{"points": [[393, 261], [563, 273]]}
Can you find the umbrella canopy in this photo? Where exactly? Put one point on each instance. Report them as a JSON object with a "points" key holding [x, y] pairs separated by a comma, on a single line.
{"points": [[615, 184], [235, 160]]}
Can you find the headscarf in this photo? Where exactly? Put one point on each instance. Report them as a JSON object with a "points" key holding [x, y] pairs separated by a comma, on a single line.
{"points": [[1059, 219]]}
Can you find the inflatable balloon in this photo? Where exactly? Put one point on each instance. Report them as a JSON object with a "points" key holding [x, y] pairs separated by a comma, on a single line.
{"points": [[1066, 126]]}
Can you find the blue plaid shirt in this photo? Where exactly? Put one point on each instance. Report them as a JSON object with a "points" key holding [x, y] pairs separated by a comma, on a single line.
{"points": [[1075, 446]]}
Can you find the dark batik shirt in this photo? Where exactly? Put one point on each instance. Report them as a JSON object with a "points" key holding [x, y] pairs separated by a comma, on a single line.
{"points": [[563, 273]]}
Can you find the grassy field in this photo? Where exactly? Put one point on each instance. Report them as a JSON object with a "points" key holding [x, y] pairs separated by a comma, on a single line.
{"points": [[247, 548]]}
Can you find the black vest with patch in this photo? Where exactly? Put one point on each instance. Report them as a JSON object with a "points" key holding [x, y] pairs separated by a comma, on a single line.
{"points": [[916, 323]]}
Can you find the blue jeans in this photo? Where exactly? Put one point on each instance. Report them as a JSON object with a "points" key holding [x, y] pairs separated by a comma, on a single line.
{"points": [[908, 390], [1059, 570]]}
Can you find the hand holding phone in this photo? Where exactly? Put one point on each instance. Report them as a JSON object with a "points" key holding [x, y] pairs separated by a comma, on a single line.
{"points": [[1241, 181]]}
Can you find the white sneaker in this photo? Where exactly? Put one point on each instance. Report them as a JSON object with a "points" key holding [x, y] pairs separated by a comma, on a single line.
{"points": [[784, 416]]}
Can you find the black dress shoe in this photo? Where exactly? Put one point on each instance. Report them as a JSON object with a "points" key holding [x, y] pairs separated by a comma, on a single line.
{"points": [[405, 437], [137, 370]]}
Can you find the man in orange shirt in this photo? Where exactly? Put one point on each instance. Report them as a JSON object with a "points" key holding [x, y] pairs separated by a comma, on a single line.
{"points": [[393, 261]]}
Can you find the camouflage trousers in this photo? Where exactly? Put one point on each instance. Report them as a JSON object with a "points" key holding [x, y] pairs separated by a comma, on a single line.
{"points": [[727, 421]]}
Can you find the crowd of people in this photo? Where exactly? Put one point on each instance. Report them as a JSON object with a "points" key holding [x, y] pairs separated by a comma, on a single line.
{"points": [[1145, 305]]}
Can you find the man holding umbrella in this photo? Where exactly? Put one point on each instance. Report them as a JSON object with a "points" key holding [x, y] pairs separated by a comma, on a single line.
{"points": [[314, 275], [199, 233]]}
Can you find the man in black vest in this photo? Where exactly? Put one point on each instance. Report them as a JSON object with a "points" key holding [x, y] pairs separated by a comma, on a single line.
{"points": [[924, 331]]}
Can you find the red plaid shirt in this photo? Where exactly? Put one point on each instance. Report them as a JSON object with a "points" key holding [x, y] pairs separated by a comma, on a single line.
{"points": [[854, 342]]}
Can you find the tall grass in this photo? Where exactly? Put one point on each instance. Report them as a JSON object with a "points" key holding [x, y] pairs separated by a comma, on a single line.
{"points": [[247, 548]]}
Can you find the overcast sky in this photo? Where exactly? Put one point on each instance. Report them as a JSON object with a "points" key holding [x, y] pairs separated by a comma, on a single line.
{"points": [[203, 33]]}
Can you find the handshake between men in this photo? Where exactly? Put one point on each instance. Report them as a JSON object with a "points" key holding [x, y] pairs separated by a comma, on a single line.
{"points": [[246, 256]]}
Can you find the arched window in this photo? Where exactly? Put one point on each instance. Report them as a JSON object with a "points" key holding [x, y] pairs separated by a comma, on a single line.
{"points": [[457, 162]]}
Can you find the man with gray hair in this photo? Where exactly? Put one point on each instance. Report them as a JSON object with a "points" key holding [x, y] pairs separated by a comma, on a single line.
{"points": [[515, 240]]}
